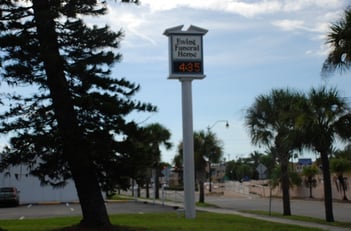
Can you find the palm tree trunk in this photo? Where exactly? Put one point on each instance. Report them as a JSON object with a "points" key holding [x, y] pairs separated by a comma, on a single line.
{"points": [[201, 188], [310, 182], [311, 190], [328, 199], [201, 192], [200, 175], [157, 184], [75, 150], [138, 192], [285, 188], [133, 188], [343, 185], [147, 189]]}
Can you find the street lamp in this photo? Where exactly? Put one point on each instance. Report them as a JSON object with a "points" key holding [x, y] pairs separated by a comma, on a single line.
{"points": [[209, 157], [218, 121]]}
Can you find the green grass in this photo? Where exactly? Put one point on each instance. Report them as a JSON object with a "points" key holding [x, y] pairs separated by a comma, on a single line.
{"points": [[160, 222], [38, 224], [206, 205], [301, 218], [120, 197]]}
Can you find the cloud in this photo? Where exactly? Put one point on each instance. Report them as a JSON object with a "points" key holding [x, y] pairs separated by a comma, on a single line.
{"points": [[297, 5], [144, 24], [248, 8], [289, 25], [299, 15], [253, 9], [301, 25], [244, 8], [130, 22]]}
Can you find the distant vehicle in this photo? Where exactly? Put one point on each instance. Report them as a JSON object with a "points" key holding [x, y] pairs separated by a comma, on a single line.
{"points": [[9, 195]]}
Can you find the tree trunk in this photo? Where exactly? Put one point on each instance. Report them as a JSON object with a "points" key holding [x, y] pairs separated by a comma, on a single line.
{"points": [[201, 178], [328, 199], [133, 188], [311, 190], [157, 183], [310, 182], [147, 188], [343, 186], [285, 187], [139, 192], [201, 192], [74, 147]]}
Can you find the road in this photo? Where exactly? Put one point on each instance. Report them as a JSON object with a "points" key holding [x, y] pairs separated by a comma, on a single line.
{"points": [[73, 209], [312, 208]]}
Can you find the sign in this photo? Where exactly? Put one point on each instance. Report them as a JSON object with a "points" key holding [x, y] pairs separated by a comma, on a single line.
{"points": [[261, 169], [166, 172], [186, 64], [186, 53]]}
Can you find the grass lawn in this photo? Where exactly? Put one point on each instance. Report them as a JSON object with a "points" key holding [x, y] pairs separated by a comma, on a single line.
{"points": [[301, 218], [158, 222]]}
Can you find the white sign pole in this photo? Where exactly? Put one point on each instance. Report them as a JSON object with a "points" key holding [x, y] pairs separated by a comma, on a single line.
{"points": [[188, 150], [186, 64]]}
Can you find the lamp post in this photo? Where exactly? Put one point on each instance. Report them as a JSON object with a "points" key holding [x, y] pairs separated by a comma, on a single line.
{"points": [[210, 154], [209, 174], [218, 121]]}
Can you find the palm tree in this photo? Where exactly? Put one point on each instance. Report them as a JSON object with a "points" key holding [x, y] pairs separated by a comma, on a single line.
{"points": [[310, 172], [157, 136], [200, 155], [294, 178], [340, 166], [271, 122], [255, 159], [178, 163], [207, 149], [212, 151], [326, 118], [345, 153], [269, 159], [339, 38]]}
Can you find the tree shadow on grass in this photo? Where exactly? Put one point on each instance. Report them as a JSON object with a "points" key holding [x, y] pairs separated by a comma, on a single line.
{"points": [[109, 228]]}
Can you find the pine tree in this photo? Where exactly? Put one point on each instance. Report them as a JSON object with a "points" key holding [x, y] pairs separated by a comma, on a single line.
{"points": [[64, 123]]}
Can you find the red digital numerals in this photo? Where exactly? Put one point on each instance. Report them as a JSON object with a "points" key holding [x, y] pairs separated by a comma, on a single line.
{"points": [[187, 67]]}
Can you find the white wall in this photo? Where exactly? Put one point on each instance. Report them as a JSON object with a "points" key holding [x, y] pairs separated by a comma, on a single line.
{"points": [[32, 192]]}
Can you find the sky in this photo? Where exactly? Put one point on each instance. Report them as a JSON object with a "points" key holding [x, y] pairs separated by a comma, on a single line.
{"points": [[252, 47]]}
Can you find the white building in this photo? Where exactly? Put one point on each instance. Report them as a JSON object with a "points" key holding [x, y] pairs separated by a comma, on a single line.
{"points": [[31, 191]]}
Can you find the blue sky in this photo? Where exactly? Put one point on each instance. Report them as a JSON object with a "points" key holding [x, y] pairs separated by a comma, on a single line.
{"points": [[251, 47]]}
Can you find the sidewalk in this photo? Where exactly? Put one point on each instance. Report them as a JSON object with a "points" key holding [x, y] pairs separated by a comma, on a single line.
{"points": [[180, 207], [274, 219]]}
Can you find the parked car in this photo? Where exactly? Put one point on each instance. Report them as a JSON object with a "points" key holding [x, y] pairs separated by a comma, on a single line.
{"points": [[9, 195]]}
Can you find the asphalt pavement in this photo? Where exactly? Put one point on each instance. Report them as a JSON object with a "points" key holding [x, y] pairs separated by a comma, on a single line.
{"points": [[45, 210]]}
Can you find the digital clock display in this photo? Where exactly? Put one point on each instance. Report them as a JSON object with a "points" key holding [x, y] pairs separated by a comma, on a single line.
{"points": [[187, 67]]}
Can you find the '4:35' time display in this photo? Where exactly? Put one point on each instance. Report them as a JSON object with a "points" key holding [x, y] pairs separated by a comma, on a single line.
{"points": [[187, 67]]}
